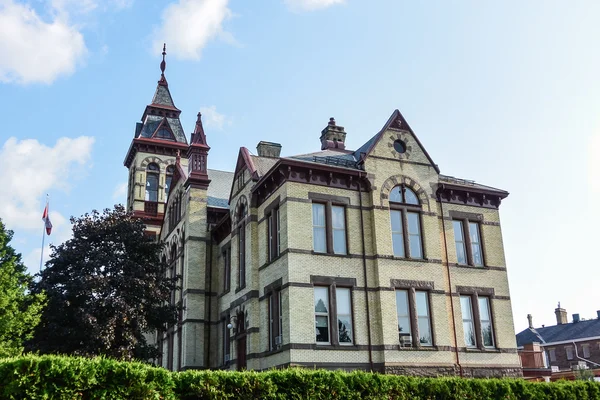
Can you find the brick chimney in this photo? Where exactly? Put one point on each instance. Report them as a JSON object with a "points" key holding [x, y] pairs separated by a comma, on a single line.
{"points": [[576, 318], [530, 319], [561, 315], [268, 149], [333, 136]]}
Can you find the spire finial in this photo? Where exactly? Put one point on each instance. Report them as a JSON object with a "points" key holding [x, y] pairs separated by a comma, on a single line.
{"points": [[163, 64]]}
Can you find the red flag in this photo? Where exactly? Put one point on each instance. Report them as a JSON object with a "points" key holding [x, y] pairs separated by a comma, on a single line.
{"points": [[46, 219]]}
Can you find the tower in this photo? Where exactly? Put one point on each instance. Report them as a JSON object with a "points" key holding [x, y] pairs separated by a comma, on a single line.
{"points": [[151, 156]]}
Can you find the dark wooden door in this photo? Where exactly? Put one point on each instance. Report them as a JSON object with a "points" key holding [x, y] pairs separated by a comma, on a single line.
{"points": [[241, 353]]}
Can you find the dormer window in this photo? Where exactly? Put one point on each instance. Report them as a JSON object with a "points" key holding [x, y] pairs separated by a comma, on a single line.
{"points": [[405, 216], [164, 133]]}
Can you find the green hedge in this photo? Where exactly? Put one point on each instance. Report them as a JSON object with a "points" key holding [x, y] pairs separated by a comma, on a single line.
{"points": [[56, 377]]}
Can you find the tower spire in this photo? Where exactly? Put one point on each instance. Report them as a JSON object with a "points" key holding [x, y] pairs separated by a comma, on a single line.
{"points": [[163, 66]]}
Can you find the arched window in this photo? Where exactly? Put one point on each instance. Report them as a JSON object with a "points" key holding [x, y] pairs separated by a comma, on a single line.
{"points": [[170, 171], [152, 173], [405, 216]]}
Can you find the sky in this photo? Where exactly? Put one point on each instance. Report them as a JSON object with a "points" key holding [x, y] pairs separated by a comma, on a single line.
{"points": [[503, 93]]}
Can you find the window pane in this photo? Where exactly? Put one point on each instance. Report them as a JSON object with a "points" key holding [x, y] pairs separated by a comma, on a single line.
{"points": [[398, 243], [339, 241], [343, 300], [488, 336], [168, 185], [322, 329], [469, 333], [396, 219], [410, 196], [403, 315], [321, 300], [396, 195], [151, 187], [339, 229], [337, 217], [475, 243], [344, 316], [414, 238], [465, 307], [424, 331], [397, 234], [422, 304], [461, 253], [484, 309], [319, 236]]}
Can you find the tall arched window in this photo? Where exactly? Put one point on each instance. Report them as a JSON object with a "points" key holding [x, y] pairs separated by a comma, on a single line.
{"points": [[170, 171], [405, 216], [152, 173]]}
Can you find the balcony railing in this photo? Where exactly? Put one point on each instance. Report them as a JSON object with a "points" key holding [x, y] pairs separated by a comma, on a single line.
{"points": [[151, 208]]}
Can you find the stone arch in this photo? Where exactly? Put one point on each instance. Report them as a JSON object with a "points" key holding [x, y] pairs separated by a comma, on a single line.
{"points": [[409, 182], [151, 159]]}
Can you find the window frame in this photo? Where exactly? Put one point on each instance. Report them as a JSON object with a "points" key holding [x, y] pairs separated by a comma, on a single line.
{"points": [[476, 316], [465, 224], [552, 355], [328, 205], [413, 316], [585, 348], [332, 284], [242, 213], [155, 174], [570, 353], [226, 340], [404, 209], [321, 314], [273, 234], [226, 254], [275, 327]]}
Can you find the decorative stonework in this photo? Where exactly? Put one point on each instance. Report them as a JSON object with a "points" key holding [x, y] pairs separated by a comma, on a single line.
{"points": [[406, 139], [396, 180]]}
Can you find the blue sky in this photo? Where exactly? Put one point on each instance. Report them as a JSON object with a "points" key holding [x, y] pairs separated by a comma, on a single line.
{"points": [[504, 93]]}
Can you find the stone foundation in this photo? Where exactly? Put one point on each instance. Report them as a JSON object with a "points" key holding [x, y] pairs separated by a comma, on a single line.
{"points": [[468, 372]]}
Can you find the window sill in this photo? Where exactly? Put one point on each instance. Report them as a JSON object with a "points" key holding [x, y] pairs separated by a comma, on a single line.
{"points": [[410, 259], [240, 288], [469, 266], [420, 348], [317, 253], [265, 265], [482, 350], [325, 346], [224, 293]]}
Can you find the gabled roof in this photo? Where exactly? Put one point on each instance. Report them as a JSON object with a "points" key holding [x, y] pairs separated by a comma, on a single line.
{"points": [[560, 333], [218, 190], [397, 122]]}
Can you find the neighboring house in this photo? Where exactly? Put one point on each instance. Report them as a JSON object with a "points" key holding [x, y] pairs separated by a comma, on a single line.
{"points": [[558, 351], [367, 259]]}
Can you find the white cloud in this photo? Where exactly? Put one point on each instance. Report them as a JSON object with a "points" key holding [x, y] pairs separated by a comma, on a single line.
{"points": [[211, 118], [30, 170], [311, 5], [34, 50], [120, 192], [188, 25]]}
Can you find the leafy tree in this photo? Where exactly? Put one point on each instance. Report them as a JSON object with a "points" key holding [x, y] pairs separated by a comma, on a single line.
{"points": [[19, 310], [107, 290]]}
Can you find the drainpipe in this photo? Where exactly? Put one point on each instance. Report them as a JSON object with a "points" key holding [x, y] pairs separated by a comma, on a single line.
{"points": [[581, 358], [364, 260], [450, 285]]}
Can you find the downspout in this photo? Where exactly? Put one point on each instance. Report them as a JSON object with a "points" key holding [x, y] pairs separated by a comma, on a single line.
{"points": [[581, 358], [450, 285], [210, 278], [364, 260]]}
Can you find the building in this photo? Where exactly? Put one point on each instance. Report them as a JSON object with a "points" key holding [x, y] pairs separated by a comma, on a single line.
{"points": [[559, 351], [367, 259]]}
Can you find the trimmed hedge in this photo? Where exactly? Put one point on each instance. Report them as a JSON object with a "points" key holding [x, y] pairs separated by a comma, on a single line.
{"points": [[57, 377]]}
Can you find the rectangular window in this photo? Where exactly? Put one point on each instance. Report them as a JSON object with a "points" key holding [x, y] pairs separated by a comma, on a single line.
{"points": [[414, 235], [552, 355], [569, 351], [344, 315], [273, 234], [397, 235], [468, 323], [585, 348], [423, 321], [338, 224], [459, 239], [319, 229], [242, 256], [322, 314], [226, 343], [404, 330], [275, 320], [226, 269], [485, 317], [475, 244]]}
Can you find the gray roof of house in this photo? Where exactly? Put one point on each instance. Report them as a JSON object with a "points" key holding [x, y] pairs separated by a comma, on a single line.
{"points": [[219, 187], [163, 96], [559, 333], [263, 164], [336, 158]]}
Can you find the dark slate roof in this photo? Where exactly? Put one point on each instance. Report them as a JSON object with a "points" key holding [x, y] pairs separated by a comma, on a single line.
{"points": [[218, 189], [559, 333], [469, 184], [263, 164], [162, 96], [338, 158], [152, 121]]}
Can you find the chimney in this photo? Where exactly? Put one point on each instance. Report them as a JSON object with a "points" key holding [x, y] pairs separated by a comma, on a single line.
{"points": [[333, 136], [561, 315], [575, 317], [598, 314], [268, 149], [530, 319]]}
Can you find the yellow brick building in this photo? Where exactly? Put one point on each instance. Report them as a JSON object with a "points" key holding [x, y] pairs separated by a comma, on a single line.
{"points": [[368, 259]]}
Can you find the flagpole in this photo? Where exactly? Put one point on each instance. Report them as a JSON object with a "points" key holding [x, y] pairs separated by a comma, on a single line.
{"points": [[44, 234]]}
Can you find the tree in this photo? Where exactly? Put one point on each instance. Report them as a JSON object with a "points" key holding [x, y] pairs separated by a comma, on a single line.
{"points": [[19, 310], [107, 289]]}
